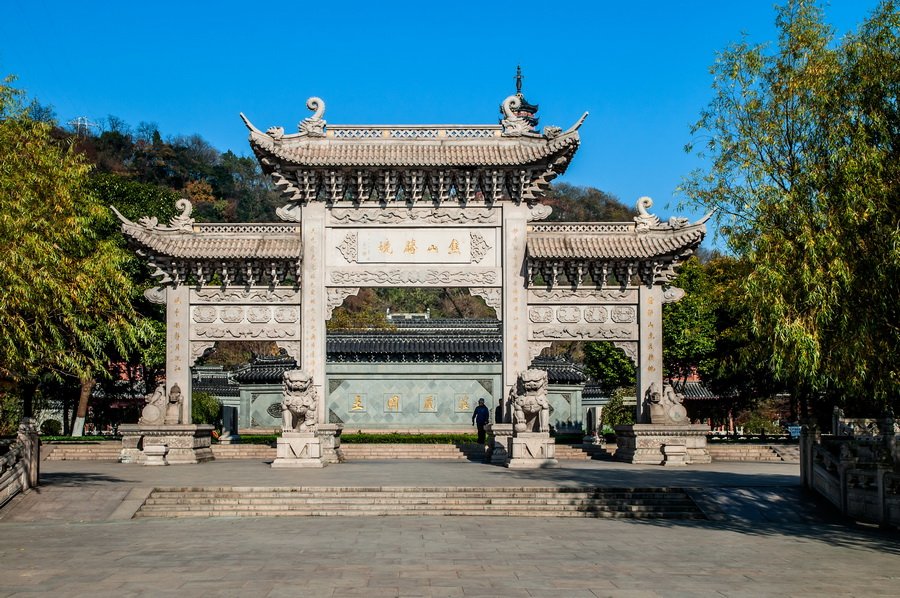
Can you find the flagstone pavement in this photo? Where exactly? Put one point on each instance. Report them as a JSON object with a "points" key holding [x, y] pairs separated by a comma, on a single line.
{"points": [[73, 537]]}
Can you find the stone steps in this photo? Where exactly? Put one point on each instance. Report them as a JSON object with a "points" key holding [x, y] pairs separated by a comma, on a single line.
{"points": [[737, 452], [85, 451], [446, 501]]}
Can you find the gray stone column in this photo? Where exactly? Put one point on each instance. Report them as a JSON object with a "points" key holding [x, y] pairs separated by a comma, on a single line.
{"points": [[178, 346], [516, 357], [312, 297], [650, 362]]}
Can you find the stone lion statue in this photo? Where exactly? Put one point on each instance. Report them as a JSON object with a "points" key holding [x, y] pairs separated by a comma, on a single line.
{"points": [[299, 406], [154, 412], [665, 407], [530, 409]]}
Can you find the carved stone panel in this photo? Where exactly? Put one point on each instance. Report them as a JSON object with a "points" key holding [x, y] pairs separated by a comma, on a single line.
{"points": [[400, 216], [244, 322], [424, 277], [583, 296], [595, 315], [424, 246], [265, 295], [622, 315], [581, 332], [568, 314], [540, 314]]}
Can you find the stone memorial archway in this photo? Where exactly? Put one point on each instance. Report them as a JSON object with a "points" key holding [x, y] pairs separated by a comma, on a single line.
{"points": [[423, 206]]}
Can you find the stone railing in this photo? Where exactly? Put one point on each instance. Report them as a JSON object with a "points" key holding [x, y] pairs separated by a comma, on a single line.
{"points": [[20, 465], [860, 476]]}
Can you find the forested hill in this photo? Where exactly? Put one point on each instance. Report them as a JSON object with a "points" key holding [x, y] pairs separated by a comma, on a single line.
{"points": [[225, 187]]}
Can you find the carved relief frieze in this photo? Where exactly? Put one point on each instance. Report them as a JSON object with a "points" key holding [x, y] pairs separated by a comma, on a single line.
{"points": [[545, 296], [205, 314], [244, 332], [479, 247], [258, 315], [334, 297], [581, 332], [493, 297], [595, 315], [262, 295], [540, 314], [426, 276], [349, 247], [285, 315], [421, 215], [231, 315], [568, 314], [622, 315]]}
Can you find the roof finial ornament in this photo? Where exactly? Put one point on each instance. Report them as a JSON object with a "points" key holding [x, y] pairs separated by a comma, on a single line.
{"points": [[314, 126], [519, 78]]}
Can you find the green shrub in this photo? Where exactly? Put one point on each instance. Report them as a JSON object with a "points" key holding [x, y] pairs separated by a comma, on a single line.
{"points": [[616, 413], [51, 427], [205, 408]]}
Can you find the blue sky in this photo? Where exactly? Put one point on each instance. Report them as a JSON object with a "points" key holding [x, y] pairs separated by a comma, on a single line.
{"points": [[640, 68]]}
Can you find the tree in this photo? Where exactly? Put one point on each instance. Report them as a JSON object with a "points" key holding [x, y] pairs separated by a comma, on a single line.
{"points": [[585, 204], [609, 365], [689, 326], [804, 148], [65, 296]]}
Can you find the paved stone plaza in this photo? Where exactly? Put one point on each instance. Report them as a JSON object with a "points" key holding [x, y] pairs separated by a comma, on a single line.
{"points": [[72, 537]]}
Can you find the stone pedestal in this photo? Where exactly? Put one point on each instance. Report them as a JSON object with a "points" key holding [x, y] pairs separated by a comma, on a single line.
{"points": [[329, 436], [299, 449], [650, 444], [156, 455], [186, 443], [500, 435], [531, 450]]}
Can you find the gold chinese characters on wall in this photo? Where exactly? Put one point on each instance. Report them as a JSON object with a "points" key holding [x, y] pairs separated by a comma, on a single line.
{"points": [[427, 404], [392, 403]]}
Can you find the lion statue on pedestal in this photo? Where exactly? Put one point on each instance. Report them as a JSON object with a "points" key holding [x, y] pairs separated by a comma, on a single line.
{"points": [[530, 409], [665, 407], [300, 404]]}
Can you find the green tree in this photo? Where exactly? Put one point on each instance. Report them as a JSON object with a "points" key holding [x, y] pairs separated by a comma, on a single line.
{"points": [[609, 366], [65, 296], [689, 325], [803, 142]]}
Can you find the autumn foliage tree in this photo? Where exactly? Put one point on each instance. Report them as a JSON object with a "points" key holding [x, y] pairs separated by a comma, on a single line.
{"points": [[65, 296], [803, 142]]}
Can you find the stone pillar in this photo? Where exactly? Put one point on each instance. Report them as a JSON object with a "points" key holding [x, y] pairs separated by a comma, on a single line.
{"points": [[650, 362], [516, 356], [178, 347], [312, 301], [31, 452]]}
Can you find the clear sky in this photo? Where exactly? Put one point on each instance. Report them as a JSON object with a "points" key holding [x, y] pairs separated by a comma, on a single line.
{"points": [[641, 68]]}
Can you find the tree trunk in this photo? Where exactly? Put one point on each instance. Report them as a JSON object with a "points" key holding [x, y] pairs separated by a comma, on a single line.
{"points": [[87, 386], [28, 391]]}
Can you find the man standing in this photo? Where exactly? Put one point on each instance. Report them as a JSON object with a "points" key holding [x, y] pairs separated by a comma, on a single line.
{"points": [[480, 418]]}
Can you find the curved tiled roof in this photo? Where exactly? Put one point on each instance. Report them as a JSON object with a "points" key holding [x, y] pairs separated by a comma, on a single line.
{"points": [[602, 242], [273, 241], [560, 370], [415, 152], [264, 369]]}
